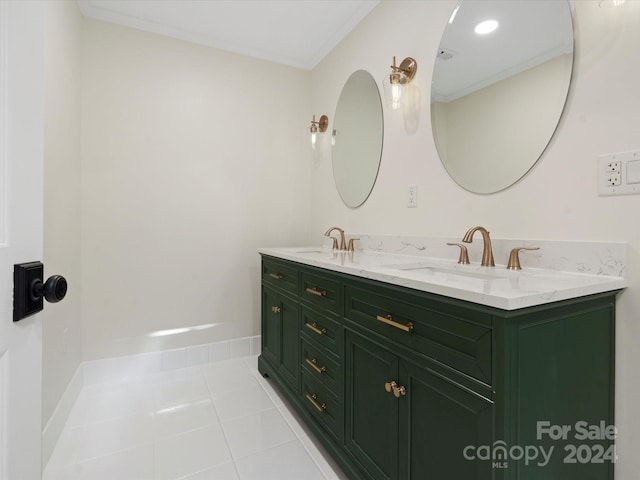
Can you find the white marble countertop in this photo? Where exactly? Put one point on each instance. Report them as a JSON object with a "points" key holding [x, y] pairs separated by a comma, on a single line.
{"points": [[491, 286]]}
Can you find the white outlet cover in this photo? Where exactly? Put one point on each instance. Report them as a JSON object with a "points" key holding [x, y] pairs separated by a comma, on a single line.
{"points": [[629, 173]]}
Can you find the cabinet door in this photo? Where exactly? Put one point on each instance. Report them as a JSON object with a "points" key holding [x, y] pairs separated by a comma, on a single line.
{"points": [[270, 326], [289, 365], [371, 416], [438, 420], [280, 339]]}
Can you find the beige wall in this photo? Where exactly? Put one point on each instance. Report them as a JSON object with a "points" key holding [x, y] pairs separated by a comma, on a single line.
{"points": [[192, 158], [62, 348], [556, 200]]}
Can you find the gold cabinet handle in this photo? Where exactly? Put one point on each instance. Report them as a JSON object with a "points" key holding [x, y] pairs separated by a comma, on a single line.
{"points": [[398, 390], [276, 309], [314, 364], [313, 326], [321, 407], [389, 321], [277, 276], [316, 292]]}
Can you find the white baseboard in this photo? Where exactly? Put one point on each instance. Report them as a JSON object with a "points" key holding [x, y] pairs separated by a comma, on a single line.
{"points": [[131, 366]]}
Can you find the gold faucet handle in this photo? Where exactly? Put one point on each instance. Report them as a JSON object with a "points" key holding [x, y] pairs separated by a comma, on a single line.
{"points": [[514, 258], [335, 242], [350, 247], [464, 253]]}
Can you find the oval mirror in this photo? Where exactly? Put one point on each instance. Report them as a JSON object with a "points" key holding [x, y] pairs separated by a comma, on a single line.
{"points": [[500, 83], [357, 138]]}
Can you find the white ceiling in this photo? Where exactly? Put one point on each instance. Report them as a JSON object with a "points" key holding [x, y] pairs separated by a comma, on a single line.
{"points": [[299, 33]]}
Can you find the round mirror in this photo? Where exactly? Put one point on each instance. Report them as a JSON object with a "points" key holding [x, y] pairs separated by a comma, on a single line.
{"points": [[500, 82], [357, 138]]}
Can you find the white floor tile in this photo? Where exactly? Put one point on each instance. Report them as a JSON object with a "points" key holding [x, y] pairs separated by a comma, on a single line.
{"points": [[284, 462], [273, 393], [322, 459], [183, 418], [190, 453], [294, 421], [180, 391], [98, 403], [221, 472], [131, 464], [240, 402], [124, 433], [256, 432], [228, 376], [216, 421]]}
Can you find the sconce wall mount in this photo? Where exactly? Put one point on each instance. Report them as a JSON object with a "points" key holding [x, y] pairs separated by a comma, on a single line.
{"points": [[405, 72], [318, 126]]}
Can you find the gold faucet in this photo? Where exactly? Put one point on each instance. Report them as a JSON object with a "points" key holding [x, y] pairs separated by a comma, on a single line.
{"points": [[343, 244], [487, 253]]}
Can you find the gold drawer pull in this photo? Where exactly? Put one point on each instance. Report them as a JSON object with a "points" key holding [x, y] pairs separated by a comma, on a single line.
{"points": [[317, 293], [277, 276], [389, 321], [313, 326], [275, 309], [314, 364], [321, 407]]}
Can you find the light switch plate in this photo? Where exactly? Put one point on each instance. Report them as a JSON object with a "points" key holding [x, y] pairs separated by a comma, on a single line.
{"points": [[619, 173]]}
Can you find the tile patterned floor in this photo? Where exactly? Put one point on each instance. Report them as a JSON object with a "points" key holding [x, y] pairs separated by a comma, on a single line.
{"points": [[220, 421]]}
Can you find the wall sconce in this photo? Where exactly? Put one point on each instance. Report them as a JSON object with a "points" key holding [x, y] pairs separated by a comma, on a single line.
{"points": [[395, 83], [321, 125]]}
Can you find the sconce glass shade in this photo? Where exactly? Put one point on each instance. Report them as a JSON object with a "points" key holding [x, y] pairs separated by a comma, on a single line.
{"points": [[319, 126], [393, 91], [396, 82]]}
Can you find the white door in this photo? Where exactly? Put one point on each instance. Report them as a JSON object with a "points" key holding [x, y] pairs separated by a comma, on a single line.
{"points": [[21, 193]]}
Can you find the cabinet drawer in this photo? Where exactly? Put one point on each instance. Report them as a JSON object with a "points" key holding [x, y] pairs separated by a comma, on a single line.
{"points": [[280, 275], [321, 291], [321, 365], [322, 404], [321, 328], [439, 330]]}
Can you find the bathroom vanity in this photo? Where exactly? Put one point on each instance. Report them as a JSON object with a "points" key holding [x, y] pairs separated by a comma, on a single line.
{"points": [[414, 368]]}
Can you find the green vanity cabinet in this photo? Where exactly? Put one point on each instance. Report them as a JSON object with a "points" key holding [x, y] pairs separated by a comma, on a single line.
{"points": [[403, 384]]}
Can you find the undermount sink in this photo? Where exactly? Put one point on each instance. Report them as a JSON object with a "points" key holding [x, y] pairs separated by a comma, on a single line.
{"points": [[467, 271]]}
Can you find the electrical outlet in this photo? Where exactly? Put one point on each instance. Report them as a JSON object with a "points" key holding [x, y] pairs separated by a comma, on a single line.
{"points": [[613, 179], [614, 166], [412, 196]]}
